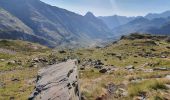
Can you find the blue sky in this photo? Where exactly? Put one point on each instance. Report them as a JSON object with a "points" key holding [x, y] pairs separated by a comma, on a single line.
{"points": [[112, 7]]}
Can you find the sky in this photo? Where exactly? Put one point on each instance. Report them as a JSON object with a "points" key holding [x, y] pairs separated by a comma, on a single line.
{"points": [[112, 7]]}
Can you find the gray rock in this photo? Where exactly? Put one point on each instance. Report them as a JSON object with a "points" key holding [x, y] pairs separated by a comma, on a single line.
{"points": [[57, 82]]}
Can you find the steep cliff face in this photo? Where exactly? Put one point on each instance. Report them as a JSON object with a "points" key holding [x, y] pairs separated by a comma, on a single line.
{"points": [[57, 82]]}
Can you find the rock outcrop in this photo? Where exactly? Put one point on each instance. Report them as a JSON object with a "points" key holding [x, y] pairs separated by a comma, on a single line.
{"points": [[57, 82]]}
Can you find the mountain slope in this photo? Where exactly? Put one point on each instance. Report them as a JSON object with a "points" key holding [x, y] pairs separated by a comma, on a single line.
{"points": [[164, 29], [10, 23], [155, 15], [142, 25], [115, 21], [13, 28], [55, 24]]}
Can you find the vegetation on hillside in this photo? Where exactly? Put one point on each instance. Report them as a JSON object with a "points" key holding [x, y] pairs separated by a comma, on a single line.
{"points": [[148, 59], [135, 67]]}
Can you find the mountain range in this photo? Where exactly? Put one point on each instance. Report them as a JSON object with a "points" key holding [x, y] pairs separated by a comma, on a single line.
{"points": [[152, 23], [52, 25], [36, 21]]}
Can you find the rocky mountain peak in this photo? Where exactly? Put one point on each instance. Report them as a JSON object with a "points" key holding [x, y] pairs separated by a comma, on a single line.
{"points": [[90, 15]]}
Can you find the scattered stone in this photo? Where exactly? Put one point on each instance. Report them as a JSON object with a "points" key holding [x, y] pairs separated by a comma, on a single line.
{"points": [[130, 68], [152, 49], [148, 70], [2, 60], [122, 92], [1, 84], [15, 80], [144, 65], [104, 70], [82, 67], [156, 76], [62, 51], [12, 62], [168, 47], [168, 86], [138, 80], [168, 77], [83, 97], [98, 66], [163, 56], [112, 54], [102, 97], [11, 98], [119, 57], [98, 62], [160, 69], [52, 62], [168, 39], [111, 88], [135, 62], [141, 96]]}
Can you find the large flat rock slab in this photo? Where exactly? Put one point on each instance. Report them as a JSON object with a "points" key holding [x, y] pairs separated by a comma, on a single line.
{"points": [[57, 82]]}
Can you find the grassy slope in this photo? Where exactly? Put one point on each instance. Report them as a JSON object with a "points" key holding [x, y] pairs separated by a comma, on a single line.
{"points": [[17, 50], [93, 83]]}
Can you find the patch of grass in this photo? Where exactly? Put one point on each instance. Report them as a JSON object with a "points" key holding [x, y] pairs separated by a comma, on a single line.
{"points": [[136, 89], [5, 56], [19, 89]]}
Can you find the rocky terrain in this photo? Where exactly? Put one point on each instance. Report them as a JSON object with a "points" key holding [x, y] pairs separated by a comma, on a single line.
{"points": [[137, 67], [57, 82]]}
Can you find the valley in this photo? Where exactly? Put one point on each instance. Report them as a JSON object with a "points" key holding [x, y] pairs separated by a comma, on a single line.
{"points": [[135, 67], [53, 53]]}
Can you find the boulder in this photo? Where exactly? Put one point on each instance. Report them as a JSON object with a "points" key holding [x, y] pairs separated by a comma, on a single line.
{"points": [[57, 82]]}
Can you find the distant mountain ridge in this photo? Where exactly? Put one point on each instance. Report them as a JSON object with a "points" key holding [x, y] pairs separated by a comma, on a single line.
{"points": [[115, 21], [143, 25], [156, 15], [36, 21], [154, 23], [57, 26]]}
